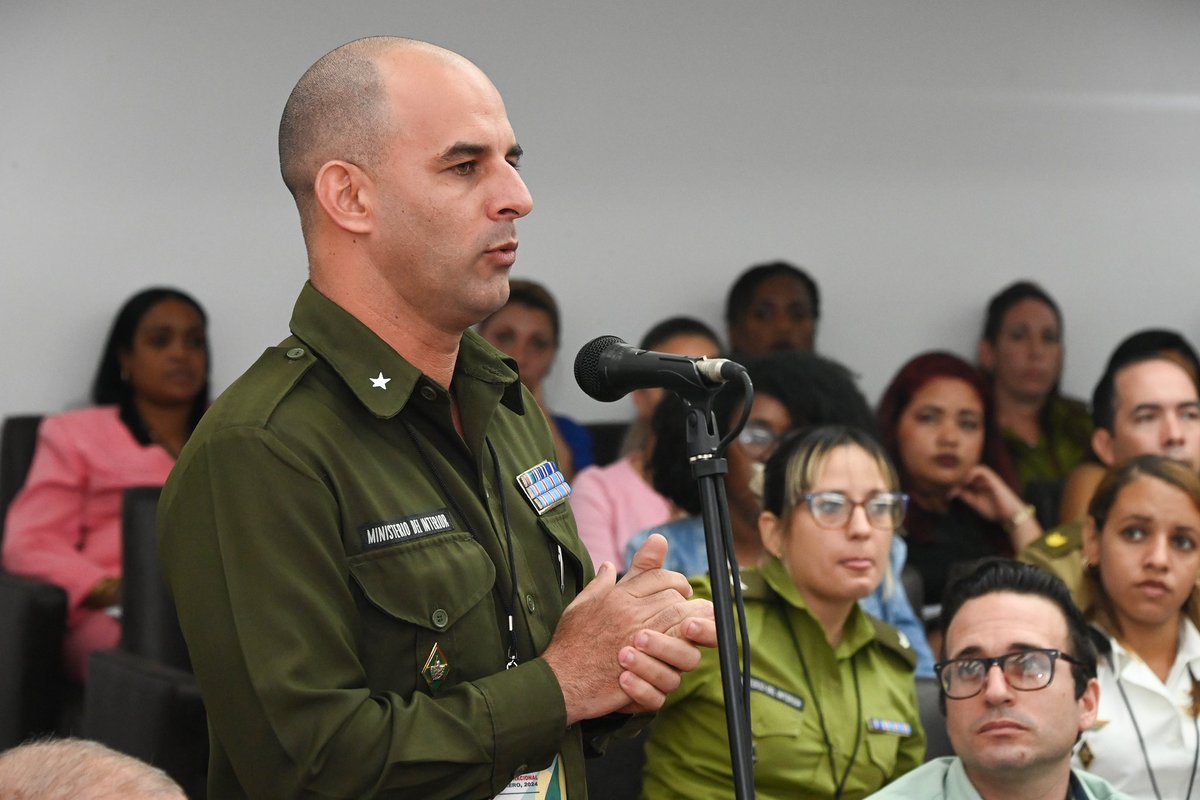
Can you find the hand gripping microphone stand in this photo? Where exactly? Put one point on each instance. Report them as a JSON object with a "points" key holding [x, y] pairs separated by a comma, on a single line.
{"points": [[709, 467]]}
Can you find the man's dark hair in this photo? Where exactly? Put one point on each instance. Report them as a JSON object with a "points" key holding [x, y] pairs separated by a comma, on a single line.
{"points": [[974, 579], [741, 293], [676, 326], [1000, 304], [1146, 345]]}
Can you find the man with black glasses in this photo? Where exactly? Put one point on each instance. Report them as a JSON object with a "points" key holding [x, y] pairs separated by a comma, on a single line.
{"points": [[1018, 680]]}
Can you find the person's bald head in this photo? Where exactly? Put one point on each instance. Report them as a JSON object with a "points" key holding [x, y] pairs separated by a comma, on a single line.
{"points": [[339, 109], [79, 769]]}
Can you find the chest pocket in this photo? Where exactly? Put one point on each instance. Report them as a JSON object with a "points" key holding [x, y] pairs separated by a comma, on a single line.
{"points": [[432, 591], [882, 749], [786, 737]]}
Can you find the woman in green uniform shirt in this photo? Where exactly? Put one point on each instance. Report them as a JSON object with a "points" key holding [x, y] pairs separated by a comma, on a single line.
{"points": [[833, 702]]}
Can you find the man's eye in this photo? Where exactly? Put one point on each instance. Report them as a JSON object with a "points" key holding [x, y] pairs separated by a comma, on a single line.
{"points": [[465, 168], [967, 670]]}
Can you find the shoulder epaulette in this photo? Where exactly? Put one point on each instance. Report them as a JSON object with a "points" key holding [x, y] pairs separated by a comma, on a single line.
{"points": [[893, 639]]}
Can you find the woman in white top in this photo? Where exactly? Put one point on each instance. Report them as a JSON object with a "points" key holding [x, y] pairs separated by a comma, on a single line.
{"points": [[1142, 551]]}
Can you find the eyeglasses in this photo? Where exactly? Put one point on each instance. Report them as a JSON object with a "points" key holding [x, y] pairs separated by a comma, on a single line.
{"points": [[884, 510], [759, 440], [1025, 670]]}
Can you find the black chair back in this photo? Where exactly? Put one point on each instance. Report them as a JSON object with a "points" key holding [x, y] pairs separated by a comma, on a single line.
{"points": [[607, 438], [149, 625], [617, 775], [18, 440], [937, 740]]}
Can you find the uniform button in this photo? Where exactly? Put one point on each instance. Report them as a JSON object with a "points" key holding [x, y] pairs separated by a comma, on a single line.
{"points": [[530, 603], [440, 618], [295, 352], [428, 393]]}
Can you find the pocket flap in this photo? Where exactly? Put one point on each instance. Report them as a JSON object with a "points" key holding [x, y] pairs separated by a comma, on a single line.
{"points": [[429, 582]]}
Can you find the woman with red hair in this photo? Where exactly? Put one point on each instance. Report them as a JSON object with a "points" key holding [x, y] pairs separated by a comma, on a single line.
{"points": [[938, 429]]}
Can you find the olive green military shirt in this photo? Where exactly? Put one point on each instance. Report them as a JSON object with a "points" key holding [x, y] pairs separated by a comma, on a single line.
{"points": [[862, 694], [338, 557], [1060, 552]]}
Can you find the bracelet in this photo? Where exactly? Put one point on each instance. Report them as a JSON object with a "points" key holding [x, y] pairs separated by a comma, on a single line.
{"points": [[1019, 518]]}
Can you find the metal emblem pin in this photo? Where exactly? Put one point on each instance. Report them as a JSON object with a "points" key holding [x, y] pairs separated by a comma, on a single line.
{"points": [[436, 667]]}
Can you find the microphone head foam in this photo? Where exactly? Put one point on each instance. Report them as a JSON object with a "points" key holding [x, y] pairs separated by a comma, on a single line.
{"points": [[588, 374]]}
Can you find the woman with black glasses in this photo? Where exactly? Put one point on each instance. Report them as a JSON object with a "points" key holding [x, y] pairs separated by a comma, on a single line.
{"points": [[1142, 550], [833, 703]]}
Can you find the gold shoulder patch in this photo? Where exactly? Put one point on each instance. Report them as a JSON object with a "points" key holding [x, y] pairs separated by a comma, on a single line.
{"points": [[1054, 539]]}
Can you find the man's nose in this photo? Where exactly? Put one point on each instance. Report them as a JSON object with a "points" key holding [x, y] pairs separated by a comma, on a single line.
{"points": [[513, 199], [995, 687]]}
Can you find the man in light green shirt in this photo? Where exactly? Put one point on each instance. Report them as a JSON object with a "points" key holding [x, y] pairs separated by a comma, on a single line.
{"points": [[1018, 680]]}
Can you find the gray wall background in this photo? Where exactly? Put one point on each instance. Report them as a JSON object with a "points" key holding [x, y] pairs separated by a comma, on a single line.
{"points": [[915, 155]]}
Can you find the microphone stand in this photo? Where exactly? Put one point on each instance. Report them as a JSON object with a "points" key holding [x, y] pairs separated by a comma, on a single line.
{"points": [[709, 469]]}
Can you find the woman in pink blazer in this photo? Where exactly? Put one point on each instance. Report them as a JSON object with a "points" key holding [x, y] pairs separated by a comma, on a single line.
{"points": [[65, 525]]}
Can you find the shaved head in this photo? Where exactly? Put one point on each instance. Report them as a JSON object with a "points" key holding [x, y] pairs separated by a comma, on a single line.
{"points": [[338, 110]]}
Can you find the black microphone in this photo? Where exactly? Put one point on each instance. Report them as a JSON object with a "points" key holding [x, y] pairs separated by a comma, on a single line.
{"points": [[607, 369]]}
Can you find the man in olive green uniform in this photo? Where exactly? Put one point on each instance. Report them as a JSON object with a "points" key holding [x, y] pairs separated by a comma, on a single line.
{"points": [[381, 588], [1144, 404]]}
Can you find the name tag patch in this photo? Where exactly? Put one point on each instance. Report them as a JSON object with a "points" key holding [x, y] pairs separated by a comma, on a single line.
{"points": [[775, 693], [897, 727], [382, 534]]}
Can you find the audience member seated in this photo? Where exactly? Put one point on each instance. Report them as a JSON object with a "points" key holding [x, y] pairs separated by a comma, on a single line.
{"points": [[938, 430], [812, 391], [1083, 480], [1146, 403], [527, 329], [1021, 354], [1142, 548], [613, 502], [1018, 688], [78, 769], [770, 307], [833, 706], [64, 526]]}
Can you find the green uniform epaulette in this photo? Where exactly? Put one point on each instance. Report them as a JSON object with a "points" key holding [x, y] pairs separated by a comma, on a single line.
{"points": [[896, 641], [1061, 540], [271, 378], [755, 586]]}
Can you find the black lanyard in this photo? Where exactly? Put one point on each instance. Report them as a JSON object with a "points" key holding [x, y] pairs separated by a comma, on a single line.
{"points": [[510, 602]]}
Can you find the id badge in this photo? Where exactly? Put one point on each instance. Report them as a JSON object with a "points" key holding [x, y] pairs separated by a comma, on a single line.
{"points": [[548, 784]]}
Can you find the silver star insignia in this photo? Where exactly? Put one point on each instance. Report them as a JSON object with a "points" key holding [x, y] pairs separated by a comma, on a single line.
{"points": [[380, 382]]}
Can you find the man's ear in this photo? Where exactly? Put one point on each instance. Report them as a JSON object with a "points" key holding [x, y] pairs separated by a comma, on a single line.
{"points": [[986, 356], [1089, 704], [1102, 446], [345, 193]]}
